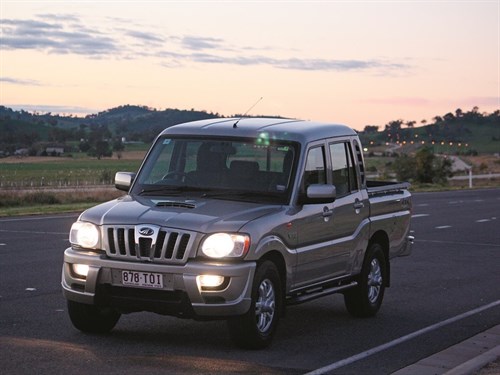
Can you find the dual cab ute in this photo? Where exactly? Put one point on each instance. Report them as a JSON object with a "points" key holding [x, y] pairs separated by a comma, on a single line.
{"points": [[235, 219]]}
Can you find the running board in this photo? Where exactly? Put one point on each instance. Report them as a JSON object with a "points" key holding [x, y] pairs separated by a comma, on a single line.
{"points": [[309, 295]]}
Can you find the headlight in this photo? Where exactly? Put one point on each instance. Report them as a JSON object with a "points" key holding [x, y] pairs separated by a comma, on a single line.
{"points": [[220, 245], [85, 235]]}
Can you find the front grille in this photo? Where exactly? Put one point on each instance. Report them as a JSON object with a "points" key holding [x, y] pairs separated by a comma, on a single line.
{"points": [[164, 246]]}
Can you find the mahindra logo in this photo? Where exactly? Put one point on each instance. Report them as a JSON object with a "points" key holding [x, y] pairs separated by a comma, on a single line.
{"points": [[145, 231]]}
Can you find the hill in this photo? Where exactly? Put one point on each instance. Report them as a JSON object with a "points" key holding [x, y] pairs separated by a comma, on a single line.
{"points": [[460, 132], [466, 133]]}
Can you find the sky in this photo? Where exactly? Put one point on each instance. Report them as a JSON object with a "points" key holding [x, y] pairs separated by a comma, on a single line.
{"points": [[353, 62]]}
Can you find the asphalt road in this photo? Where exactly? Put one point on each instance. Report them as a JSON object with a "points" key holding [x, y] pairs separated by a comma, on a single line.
{"points": [[446, 291]]}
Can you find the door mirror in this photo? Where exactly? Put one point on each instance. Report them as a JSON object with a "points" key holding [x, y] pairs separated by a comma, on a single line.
{"points": [[123, 180], [319, 193]]}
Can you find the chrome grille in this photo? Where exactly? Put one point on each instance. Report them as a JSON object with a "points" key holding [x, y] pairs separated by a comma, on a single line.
{"points": [[163, 246]]}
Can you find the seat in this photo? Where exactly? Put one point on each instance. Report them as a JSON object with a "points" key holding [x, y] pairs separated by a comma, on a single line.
{"points": [[244, 174], [210, 167]]}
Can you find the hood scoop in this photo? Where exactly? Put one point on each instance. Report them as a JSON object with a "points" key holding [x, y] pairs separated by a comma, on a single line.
{"points": [[175, 204]]}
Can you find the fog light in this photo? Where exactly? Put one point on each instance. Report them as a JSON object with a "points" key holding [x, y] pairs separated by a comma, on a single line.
{"points": [[210, 282], [81, 270]]}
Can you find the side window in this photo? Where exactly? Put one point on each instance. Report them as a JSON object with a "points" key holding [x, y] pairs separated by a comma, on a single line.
{"points": [[343, 171], [315, 167]]}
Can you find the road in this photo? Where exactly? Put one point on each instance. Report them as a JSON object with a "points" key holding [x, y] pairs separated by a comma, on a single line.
{"points": [[445, 292]]}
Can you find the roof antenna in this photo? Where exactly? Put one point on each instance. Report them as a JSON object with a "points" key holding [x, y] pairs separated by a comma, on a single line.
{"points": [[235, 125]]}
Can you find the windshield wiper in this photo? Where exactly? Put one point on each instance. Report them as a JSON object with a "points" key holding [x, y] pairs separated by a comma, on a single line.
{"points": [[255, 195], [171, 189]]}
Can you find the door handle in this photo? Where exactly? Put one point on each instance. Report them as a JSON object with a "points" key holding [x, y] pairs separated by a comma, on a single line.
{"points": [[358, 204], [327, 212]]}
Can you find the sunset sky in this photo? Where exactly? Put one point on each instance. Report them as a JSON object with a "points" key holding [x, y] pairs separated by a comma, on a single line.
{"points": [[353, 62]]}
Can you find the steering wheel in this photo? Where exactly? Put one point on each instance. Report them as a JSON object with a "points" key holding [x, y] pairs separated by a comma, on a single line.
{"points": [[175, 175]]}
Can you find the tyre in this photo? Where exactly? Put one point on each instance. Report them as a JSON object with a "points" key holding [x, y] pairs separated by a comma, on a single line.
{"points": [[365, 299], [255, 329], [92, 319]]}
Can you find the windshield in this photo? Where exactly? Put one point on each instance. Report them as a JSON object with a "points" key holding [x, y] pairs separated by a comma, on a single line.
{"points": [[235, 169]]}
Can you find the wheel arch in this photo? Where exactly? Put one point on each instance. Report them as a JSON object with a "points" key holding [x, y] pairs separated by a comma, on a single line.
{"points": [[380, 237], [277, 258]]}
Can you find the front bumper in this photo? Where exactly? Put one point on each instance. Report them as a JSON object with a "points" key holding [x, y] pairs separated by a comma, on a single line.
{"points": [[181, 295]]}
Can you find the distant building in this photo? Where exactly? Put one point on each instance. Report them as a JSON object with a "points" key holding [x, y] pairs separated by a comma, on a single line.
{"points": [[54, 150], [21, 152]]}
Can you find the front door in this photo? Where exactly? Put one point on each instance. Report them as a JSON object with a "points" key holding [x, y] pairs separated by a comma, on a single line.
{"points": [[329, 234]]}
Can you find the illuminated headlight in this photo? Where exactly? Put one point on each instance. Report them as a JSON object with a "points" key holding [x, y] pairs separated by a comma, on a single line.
{"points": [[81, 270], [220, 245], [209, 281], [85, 235]]}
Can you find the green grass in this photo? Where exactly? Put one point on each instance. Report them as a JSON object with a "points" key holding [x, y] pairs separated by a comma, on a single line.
{"points": [[41, 201], [63, 172]]}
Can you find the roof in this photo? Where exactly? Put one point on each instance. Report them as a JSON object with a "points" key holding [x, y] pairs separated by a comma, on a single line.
{"points": [[274, 128]]}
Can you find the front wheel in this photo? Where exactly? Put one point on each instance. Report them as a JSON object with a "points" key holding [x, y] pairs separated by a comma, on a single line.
{"points": [[92, 319], [365, 299], [256, 328]]}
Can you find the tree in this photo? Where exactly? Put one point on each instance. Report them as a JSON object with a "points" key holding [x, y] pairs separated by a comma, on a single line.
{"points": [[424, 167], [100, 149], [371, 129]]}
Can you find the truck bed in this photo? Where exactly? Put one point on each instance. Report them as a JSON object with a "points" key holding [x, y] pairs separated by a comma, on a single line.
{"points": [[381, 188]]}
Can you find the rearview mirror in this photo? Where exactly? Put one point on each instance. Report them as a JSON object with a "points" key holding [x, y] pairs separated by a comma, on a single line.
{"points": [[123, 180], [319, 193]]}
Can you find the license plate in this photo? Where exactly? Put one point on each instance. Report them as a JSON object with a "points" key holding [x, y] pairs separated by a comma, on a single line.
{"points": [[142, 279]]}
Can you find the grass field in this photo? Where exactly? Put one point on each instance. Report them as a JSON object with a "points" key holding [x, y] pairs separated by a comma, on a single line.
{"points": [[35, 172]]}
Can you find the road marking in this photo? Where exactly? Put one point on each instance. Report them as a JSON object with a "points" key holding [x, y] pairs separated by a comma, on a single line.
{"points": [[460, 243], [483, 220], [39, 218], [419, 215], [31, 232], [3, 244], [443, 227], [400, 340]]}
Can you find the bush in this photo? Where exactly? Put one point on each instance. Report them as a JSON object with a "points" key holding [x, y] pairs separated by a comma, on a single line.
{"points": [[424, 167]]}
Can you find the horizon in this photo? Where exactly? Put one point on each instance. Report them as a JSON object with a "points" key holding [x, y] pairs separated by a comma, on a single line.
{"points": [[359, 63]]}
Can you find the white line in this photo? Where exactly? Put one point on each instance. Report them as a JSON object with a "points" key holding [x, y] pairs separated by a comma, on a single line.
{"points": [[443, 227], [31, 232], [419, 215], [38, 218], [458, 243], [390, 344], [482, 220]]}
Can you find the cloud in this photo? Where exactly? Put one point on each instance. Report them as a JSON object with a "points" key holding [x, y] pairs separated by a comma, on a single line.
{"points": [[58, 36], [54, 109], [67, 34], [16, 81], [199, 43], [145, 37]]}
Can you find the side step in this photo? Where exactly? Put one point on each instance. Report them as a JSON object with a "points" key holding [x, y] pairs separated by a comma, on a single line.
{"points": [[309, 295]]}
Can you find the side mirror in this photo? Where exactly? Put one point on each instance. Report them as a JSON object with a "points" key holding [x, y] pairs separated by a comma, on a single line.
{"points": [[319, 193], [123, 180]]}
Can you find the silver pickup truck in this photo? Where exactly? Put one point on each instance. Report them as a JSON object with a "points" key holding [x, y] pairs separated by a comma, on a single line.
{"points": [[235, 219]]}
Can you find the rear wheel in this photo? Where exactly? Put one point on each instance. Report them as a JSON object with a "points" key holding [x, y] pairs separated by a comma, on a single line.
{"points": [[365, 299], [256, 328], [92, 319]]}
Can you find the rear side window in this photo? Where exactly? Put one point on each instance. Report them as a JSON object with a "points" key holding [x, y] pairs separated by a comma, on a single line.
{"points": [[343, 170]]}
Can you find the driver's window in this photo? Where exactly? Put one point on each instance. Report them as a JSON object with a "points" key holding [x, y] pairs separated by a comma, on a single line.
{"points": [[315, 172]]}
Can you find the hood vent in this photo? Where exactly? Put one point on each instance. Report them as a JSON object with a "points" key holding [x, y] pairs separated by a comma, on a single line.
{"points": [[175, 204]]}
